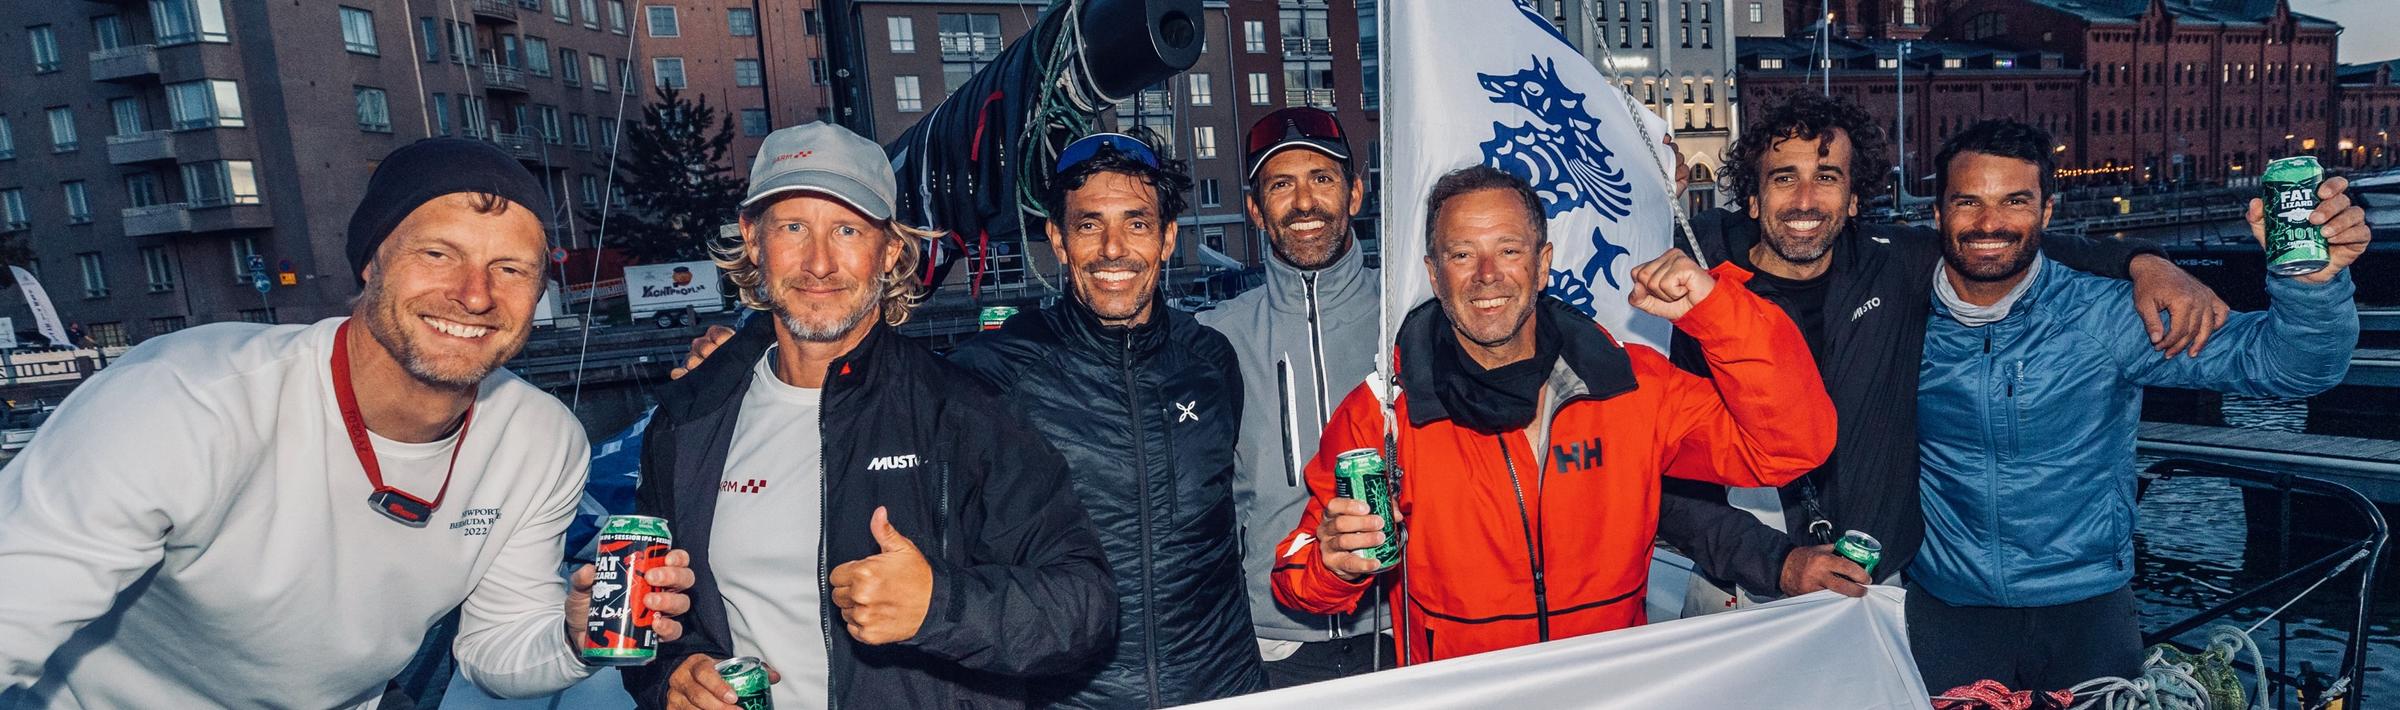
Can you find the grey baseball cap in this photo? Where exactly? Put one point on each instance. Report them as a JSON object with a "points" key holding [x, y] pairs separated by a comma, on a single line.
{"points": [[826, 159]]}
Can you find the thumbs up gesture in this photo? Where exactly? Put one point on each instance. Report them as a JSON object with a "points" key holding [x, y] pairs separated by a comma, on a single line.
{"points": [[883, 597]]}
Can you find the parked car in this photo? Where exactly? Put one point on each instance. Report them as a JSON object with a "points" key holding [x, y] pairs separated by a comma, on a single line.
{"points": [[18, 426]]}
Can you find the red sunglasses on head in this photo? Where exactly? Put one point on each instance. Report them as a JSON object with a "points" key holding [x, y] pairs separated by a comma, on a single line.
{"points": [[1295, 123]]}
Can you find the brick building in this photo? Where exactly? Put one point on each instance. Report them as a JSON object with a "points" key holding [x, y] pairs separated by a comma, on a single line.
{"points": [[2368, 113], [758, 61]]}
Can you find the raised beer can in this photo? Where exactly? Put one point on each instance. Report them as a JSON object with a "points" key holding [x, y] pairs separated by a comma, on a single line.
{"points": [[618, 631], [748, 677], [2289, 190], [1358, 474], [993, 316], [1860, 548]]}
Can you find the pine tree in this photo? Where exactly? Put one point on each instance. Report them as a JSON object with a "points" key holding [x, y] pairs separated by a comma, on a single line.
{"points": [[676, 180]]}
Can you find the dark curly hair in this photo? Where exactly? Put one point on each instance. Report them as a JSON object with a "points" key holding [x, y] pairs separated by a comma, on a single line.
{"points": [[2004, 138], [1809, 117], [1168, 179]]}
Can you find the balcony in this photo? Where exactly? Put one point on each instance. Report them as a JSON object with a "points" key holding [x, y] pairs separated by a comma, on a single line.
{"points": [[524, 146], [1307, 48], [144, 147], [131, 62], [1319, 98], [502, 11], [501, 77], [188, 218]]}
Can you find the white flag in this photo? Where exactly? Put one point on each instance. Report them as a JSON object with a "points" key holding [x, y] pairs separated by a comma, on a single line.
{"points": [[1492, 82], [45, 316]]}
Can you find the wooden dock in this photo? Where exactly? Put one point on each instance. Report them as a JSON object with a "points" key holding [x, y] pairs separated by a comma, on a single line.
{"points": [[2372, 466]]}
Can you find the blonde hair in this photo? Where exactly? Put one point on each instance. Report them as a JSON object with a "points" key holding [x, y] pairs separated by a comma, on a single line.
{"points": [[902, 292]]}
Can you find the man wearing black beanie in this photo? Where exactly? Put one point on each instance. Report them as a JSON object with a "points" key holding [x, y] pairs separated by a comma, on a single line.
{"points": [[252, 515]]}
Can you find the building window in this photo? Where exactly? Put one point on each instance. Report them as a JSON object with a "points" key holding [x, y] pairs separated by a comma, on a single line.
{"points": [[1953, 63], [128, 112], [95, 278], [561, 12], [243, 249], [754, 122], [204, 104], [616, 16], [1204, 142], [570, 67], [551, 131], [62, 130], [588, 187], [220, 182], [625, 73], [816, 70], [663, 22], [108, 32], [472, 115], [374, 110], [8, 141], [537, 56], [12, 210], [971, 34], [905, 94], [1259, 94], [608, 134], [141, 190], [79, 202], [440, 104], [429, 39], [668, 71], [358, 30], [599, 75], [259, 315], [748, 72], [160, 271], [1908, 12], [168, 324], [107, 335], [815, 22], [741, 22], [1201, 95], [45, 48], [904, 34], [1209, 197], [579, 127], [187, 21], [591, 14], [1254, 36]]}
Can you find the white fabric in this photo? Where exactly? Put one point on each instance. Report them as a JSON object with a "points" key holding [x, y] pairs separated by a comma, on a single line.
{"points": [[45, 316], [195, 519], [1504, 78], [763, 542], [1822, 650]]}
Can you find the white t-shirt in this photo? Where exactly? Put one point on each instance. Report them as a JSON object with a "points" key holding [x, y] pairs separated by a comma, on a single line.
{"points": [[763, 544], [191, 529]]}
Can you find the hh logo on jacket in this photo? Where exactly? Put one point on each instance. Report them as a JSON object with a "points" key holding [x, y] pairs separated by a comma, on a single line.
{"points": [[1582, 456]]}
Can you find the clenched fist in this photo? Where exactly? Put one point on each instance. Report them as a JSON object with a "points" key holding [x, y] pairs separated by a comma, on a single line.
{"points": [[883, 597], [1670, 285]]}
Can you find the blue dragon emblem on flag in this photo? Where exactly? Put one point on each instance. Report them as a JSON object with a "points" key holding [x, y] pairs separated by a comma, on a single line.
{"points": [[1559, 151]]}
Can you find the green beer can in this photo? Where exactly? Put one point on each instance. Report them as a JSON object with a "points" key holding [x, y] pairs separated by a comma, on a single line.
{"points": [[1358, 474], [748, 677], [1861, 548], [2289, 189], [618, 631], [993, 316]]}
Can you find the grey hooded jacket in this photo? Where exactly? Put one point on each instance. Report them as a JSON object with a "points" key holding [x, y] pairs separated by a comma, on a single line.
{"points": [[1305, 339]]}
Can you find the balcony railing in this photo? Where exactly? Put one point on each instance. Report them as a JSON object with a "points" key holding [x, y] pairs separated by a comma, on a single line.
{"points": [[195, 217], [502, 10], [1296, 47], [524, 146], [1319, 98], [127, 62], [143, 147], [170, 218], [502, 76]]}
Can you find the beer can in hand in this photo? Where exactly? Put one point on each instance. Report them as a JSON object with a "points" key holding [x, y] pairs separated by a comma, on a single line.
{"points": [[1860, 548], [618, 631], [2289, 190], [1359, 474], [748, 677]]}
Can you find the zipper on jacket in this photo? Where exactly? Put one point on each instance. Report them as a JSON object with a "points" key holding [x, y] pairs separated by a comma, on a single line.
{"points": [[825, 610], [1533, 555], [941, 524], [1141, 461], [1316, 347]]}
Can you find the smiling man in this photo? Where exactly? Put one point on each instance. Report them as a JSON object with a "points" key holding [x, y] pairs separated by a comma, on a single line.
{"points": [[1145, 404], [2031, 394], [871, 521], [1532, 441], [242, 515]]}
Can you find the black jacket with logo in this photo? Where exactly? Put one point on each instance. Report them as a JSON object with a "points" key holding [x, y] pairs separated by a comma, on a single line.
{"points": [[1020, 587], [1874, 340], [1146, 417]]}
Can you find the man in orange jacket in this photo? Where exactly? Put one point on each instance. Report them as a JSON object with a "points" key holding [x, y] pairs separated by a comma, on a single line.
{"points": [[1530, 441]]}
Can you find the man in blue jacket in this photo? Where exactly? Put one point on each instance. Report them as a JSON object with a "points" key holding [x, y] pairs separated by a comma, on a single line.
{"points": [[2030, 395]]}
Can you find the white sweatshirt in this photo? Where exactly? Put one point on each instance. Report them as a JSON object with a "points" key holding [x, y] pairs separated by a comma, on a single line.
{"points": [[191, 529]]}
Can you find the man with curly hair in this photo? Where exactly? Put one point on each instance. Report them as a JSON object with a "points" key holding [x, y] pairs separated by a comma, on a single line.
{"points": [[868, 519], [1860, 294]]}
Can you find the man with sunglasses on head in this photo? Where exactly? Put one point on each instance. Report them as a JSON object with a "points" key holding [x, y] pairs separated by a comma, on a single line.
{"points": [[1145, 405], [1302, 339]]}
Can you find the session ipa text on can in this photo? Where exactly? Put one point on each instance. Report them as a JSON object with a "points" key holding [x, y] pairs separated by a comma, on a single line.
{"points": [[618, 631]]}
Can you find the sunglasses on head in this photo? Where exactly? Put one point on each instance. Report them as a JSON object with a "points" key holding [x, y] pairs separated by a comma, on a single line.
{"points": [[1084, 149], [1290, 124]]}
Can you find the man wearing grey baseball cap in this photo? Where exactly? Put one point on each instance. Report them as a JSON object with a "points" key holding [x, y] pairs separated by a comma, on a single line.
{"points": [[869, 520]]}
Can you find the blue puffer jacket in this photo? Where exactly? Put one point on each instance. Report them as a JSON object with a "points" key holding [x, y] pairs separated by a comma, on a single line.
{"points": [[2026, 426]]}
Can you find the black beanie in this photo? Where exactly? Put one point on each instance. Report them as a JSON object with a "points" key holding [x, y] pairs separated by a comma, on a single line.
{"points": [[419, 172]]}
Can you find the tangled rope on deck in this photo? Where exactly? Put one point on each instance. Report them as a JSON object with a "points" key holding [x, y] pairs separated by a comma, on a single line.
{"points": [[2174, 680]]}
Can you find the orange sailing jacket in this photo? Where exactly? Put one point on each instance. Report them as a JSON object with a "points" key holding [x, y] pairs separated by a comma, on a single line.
{"points": [[1506, 547]]}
